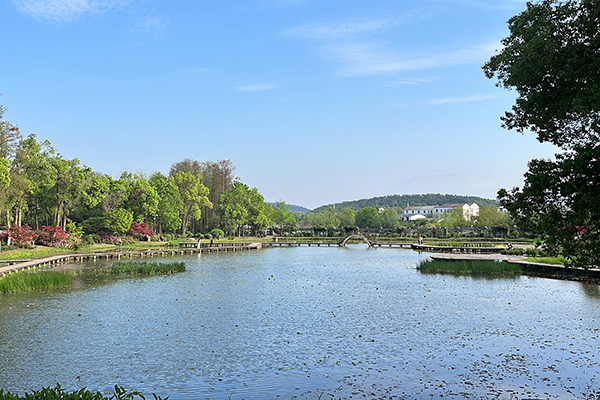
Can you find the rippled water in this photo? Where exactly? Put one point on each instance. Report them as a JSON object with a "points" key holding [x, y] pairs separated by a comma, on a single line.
{"points": [[306, 323]]}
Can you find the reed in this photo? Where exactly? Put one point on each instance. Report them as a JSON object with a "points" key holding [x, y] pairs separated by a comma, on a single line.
{"points": [[146, 268], [27, 281], [469, 267]]}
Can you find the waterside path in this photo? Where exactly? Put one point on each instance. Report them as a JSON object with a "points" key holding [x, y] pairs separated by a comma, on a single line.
{"points": [[118, 255]]}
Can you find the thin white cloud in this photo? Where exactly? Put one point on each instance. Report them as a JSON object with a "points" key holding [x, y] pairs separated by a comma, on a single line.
{"points": [[255, 88], [338, 30], [407, 82], [151, 25], [57, 11], [458, 100], [367, 59]]}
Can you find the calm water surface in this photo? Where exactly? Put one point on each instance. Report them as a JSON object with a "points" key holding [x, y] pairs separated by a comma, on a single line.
{"points": [[306, 323]]}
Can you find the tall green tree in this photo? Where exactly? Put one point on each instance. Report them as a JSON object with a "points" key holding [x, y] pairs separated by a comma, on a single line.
{"points": [[283, 218], [551, 58], [243, 205], [170, 204], [142, 199], [348, 218], [368, 217], [194, 196]]}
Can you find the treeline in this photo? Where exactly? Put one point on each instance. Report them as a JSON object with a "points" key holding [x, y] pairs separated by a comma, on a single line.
{"points": [[400, 202], [55, 200], [388, 218]]}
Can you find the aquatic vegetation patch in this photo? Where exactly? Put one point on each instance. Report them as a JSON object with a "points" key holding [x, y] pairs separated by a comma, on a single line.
{"points": [[27, 281], [58, 393], [146, 268], [470, 267]]}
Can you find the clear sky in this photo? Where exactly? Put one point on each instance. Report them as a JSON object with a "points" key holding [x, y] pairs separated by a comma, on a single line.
{"points": [[314, 101]]}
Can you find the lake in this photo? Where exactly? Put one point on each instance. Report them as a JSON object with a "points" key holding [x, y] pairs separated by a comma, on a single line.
{"points": [[305, 323]]}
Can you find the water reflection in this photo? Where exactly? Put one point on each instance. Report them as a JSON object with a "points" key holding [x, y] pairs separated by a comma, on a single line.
{"points": [[304, 323]]}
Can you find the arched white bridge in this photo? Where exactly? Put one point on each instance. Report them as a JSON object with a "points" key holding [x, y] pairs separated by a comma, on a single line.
{"points": [[345, 241]]}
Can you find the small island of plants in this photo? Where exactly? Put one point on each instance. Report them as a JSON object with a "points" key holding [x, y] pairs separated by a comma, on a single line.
{"points": [[470, 267], [146, 268]]}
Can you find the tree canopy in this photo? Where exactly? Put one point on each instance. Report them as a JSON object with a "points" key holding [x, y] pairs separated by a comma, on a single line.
{"points": [[552, 59]]}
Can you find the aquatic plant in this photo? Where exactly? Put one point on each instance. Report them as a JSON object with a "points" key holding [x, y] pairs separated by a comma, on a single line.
{"points": [[58, 393], [146, 268], [27, 281], [469, 267]]}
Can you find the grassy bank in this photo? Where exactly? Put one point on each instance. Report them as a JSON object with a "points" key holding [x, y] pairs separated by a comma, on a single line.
{"points": [[469, 267], [27, 281], [146, 268]]}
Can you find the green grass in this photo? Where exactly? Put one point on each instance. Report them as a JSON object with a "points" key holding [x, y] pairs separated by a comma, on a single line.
{"points": [[547, 260], [146, 268], [37, 252], [469, 267], [27, 281]]}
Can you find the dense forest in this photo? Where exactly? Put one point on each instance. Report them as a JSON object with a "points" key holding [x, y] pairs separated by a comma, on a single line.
{"points": [[400, 202]]}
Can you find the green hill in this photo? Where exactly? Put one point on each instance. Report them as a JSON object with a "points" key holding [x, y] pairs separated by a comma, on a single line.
{"points": [[399, 202]]}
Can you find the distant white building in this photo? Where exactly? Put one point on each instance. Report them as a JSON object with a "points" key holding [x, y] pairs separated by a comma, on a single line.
{"points": [[470, 211]]}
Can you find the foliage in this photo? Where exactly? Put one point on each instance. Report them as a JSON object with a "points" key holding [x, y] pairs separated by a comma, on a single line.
{"points": [[348, 218], [194, 196], [58, 393], [561, 200], [94, 224], [283, 218], [217, 233], [119, 221], [368, 217], [491, 217], [110, 239], [455, 219], [551, 59], [243, 205], [141, 230], [55, 236], [146, 268], [399, 202], [170, 204], [22, 235], [28, 281]]}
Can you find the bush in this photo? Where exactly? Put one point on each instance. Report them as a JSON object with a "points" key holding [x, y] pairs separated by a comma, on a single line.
{"points": [[217, 233], [89, 240], [110, 239], [208, 236], [22, 235], [55, 236], [94, 224], [141, 231]]}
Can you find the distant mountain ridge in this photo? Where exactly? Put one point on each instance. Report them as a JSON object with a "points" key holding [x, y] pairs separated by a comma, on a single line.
{"points": [[398, 201], [294, 208]]}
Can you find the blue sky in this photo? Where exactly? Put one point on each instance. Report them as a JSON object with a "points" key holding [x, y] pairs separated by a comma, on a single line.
{"points": [[314, 101]]}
